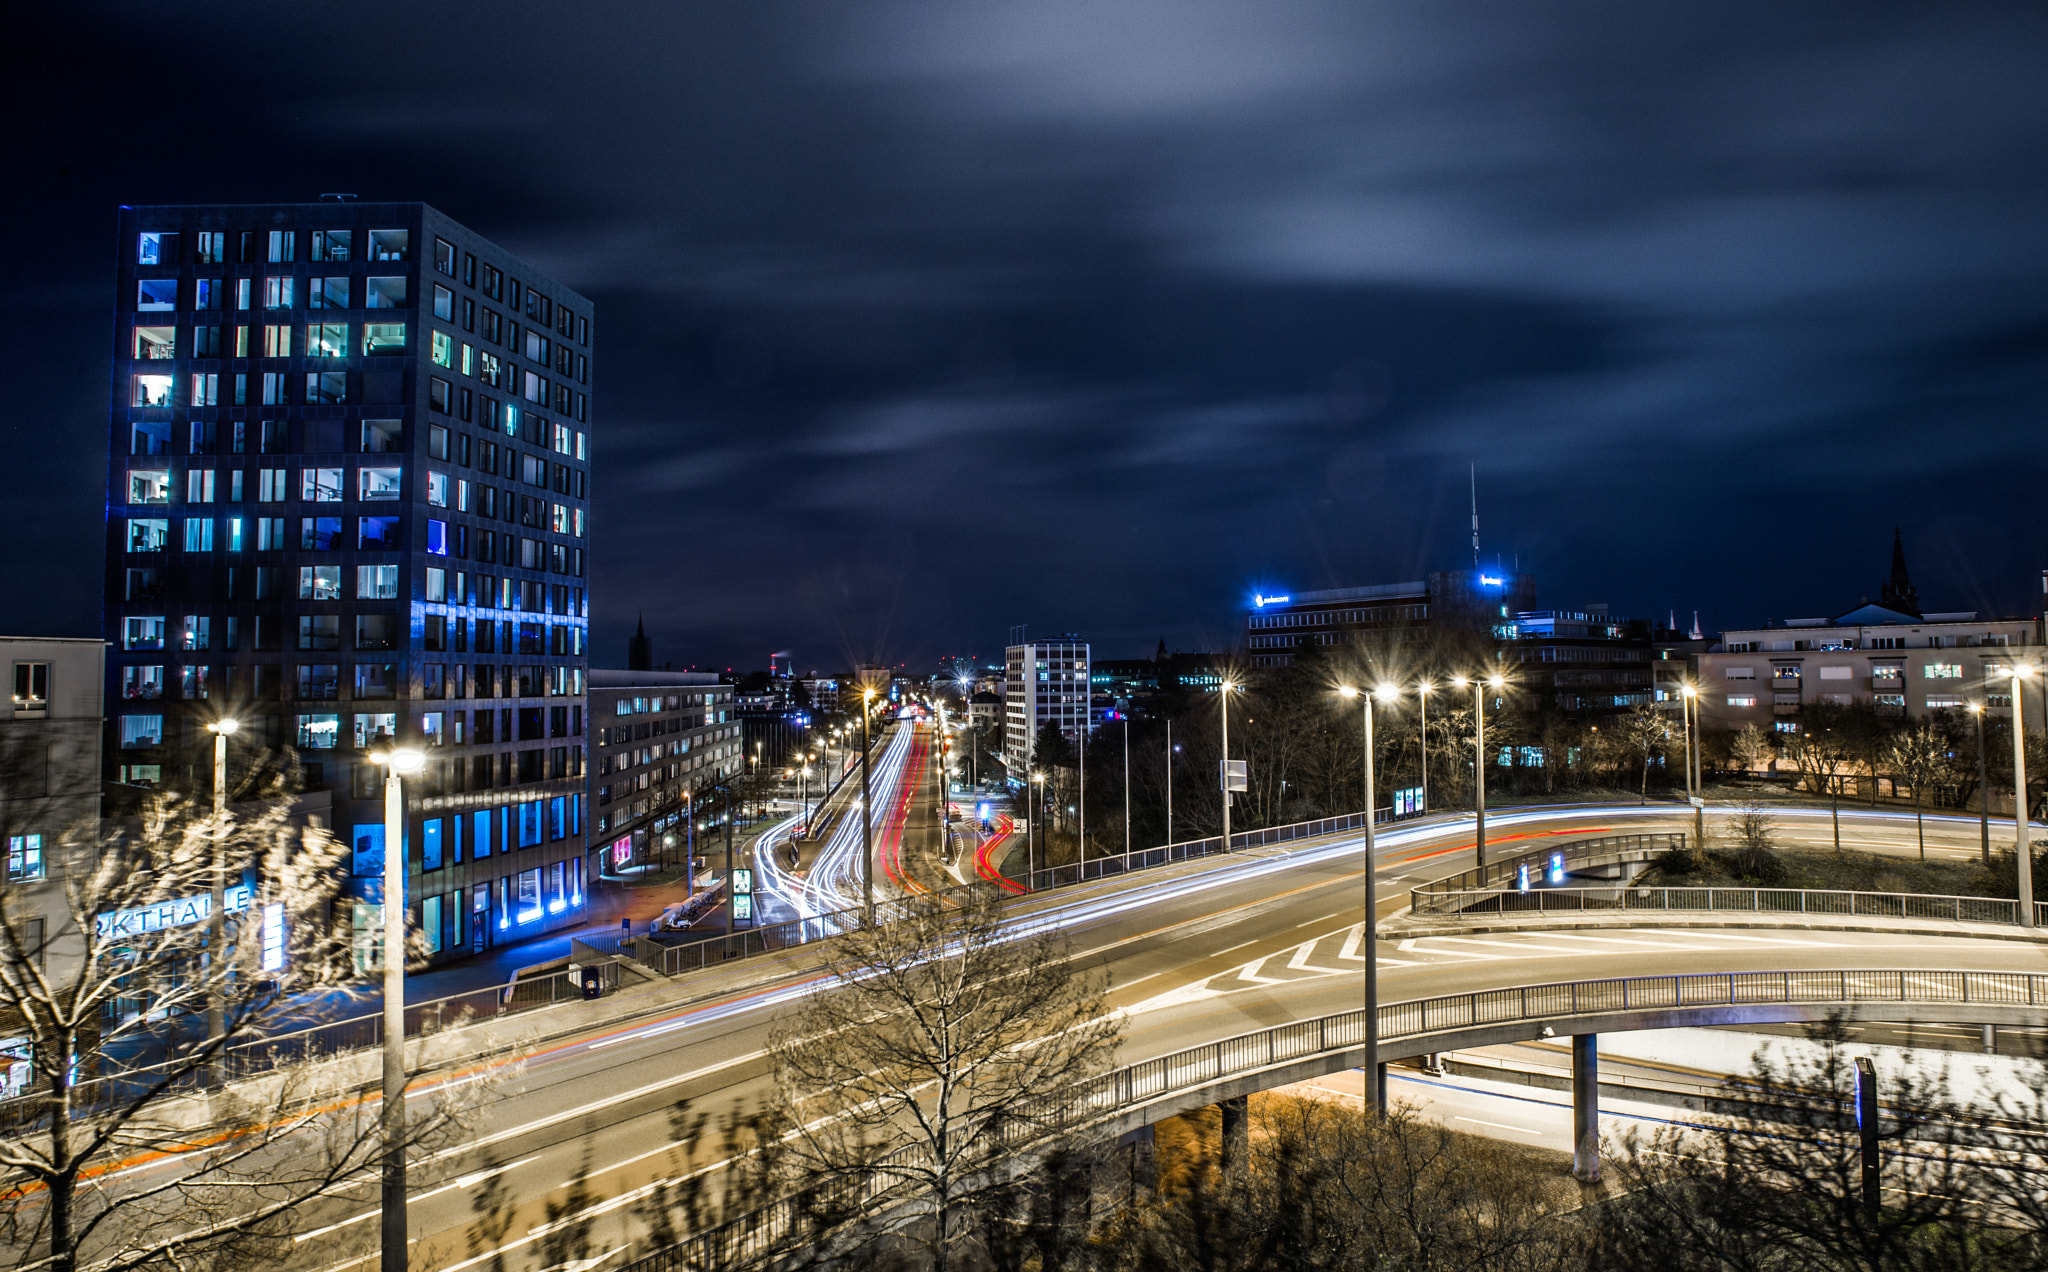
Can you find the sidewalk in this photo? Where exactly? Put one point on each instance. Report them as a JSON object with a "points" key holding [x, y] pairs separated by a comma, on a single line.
{"points": [[610, 901]]}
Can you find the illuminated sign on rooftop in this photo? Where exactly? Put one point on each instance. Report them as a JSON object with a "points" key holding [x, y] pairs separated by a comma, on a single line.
{"points": [[1270, 600], [1491, 581]]}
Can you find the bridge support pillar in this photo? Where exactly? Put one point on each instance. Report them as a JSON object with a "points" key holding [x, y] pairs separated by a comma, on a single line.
{"points": [[1237, 1131], [1586, 1108], [1376, 1089], [1991, 1040]]}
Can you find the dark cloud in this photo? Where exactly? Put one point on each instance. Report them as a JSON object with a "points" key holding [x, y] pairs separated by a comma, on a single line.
{"points": [[920, 320]]}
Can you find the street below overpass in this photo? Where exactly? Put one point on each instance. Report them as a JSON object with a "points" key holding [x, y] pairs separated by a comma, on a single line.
{"points": [[1194, 952]]}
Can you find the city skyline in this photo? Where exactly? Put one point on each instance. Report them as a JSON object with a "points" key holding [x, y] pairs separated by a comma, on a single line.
{"points": [[901, 313]]}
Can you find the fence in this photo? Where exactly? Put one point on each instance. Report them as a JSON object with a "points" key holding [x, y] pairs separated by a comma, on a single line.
{"points": [[1150, 1083], [1777, 901], [1578, 853]]}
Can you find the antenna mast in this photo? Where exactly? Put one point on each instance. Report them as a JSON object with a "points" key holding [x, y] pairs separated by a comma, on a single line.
{"points": [[1475, 516]]}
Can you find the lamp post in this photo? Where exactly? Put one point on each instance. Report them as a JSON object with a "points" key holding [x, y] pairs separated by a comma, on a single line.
{"points": [[1127, 787], [397, 762], [1983, 788], [1689, 708], [1422, 696], [1375, 1076], [2022, 850], [216, 921], [867, 843], [1169, 781], [1223, 774], [1031, 839], [1479, 687]]}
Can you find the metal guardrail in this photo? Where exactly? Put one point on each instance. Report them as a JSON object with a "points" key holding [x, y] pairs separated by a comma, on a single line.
{"points": [[1577, 853], [1773, 901], [1333, 1037]]}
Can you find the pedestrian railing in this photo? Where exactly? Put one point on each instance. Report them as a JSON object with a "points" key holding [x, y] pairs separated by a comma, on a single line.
{"points": [[1575, 854], [1772, 901], [1190, 1076]]}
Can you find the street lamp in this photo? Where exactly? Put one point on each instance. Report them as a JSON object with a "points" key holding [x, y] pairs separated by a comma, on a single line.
{"points": [[867, 845], [1689, 717], [1422, 697], [1031, 840], [2022, 850], [1983, 787], [397, 762], [1479, 687], [1225, 688], [1375, 1075], [216, 921]]}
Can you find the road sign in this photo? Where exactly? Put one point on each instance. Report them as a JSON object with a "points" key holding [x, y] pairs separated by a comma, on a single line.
{"points": [[1236, 775]]}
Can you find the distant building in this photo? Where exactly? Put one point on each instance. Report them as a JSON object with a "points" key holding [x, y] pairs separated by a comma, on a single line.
{"points": [[1889, 655], [653, 736], [1278, 627], [640, 650], [49, 781], [1578, 660], [984, 709], [1045, 682], [824, 691]]}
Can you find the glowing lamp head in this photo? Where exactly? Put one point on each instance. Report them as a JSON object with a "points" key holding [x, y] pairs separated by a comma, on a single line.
{"points": [[1496, 681], [1690, 692], [402, 760], [1386, 693], [227, 727], [2022, 670], [1460, 681], [1346, 691]]}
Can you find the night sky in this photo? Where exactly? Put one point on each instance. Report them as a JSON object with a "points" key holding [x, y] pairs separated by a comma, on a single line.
{"points": [[917, 321]]}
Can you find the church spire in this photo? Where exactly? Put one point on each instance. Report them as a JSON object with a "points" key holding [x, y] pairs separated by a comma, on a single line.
{"points": [[1898, 592], [640, 650]]}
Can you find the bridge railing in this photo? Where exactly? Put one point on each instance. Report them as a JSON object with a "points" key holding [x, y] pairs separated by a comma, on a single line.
{"points": [[1773, 901], [1148, 1083], [1577, 854]]}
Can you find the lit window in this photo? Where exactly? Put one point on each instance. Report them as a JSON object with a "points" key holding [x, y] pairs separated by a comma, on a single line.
{"points": [[149, 487], [154, 344], [330, 245], [320, 534], [390, 245], [197, 633], [319, 582], [373, 728], [151, 390], [437, 489], [156, 249], [277, 292], [319, 732], [444, 256], [192, 683], [198, 534], [141, 730], [282, 243], [156, 293], [327, 293], [1942, 671], [320, 485], [148, 534], [383, 338], [444, 303], [443, 349], [437, 538], [377, 582], [437, 583], [377, 532], [142, 683], [385, 293], [24, 858], [379, 484], [326, 388], [31, 686], [376, 680], [327, 340]]}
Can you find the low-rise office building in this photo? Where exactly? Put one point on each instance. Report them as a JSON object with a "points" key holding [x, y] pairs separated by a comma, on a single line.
{"points": [[49, 780], [1383, 615], [655, 737], [1045, 682]]}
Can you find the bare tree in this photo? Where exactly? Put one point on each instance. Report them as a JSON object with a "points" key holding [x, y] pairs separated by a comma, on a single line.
{"points": [[1751, 748], [918, 1071], [1919, 754], [1331, 1187], [1645, 731], [1824, 750], [1756, 833], [123, 1061], [1960, 1184]]}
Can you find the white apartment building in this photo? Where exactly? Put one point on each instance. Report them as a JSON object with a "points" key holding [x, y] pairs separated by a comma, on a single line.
{"points": [[1909, 663], [1044, 681]]}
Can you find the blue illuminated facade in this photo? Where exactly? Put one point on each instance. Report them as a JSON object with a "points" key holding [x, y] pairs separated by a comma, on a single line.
{"points": [[348, 501]]}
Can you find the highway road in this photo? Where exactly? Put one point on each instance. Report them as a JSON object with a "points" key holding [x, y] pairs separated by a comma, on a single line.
{"points": [[1198, 951]]}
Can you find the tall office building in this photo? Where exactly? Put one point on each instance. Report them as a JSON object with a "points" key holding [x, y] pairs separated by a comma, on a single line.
{"points": [[347, 500], [1044, 682]]}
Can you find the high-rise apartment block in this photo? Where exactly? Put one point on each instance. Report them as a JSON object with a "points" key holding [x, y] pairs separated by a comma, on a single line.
{"points": [[1044, 682], [348, 503]]}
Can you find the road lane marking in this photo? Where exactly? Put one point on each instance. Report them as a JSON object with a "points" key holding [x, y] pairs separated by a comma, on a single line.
{"points": [[1522, 1130]]}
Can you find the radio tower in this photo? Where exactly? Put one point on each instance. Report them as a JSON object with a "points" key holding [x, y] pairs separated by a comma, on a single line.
{"points": [[1475, 516]]}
